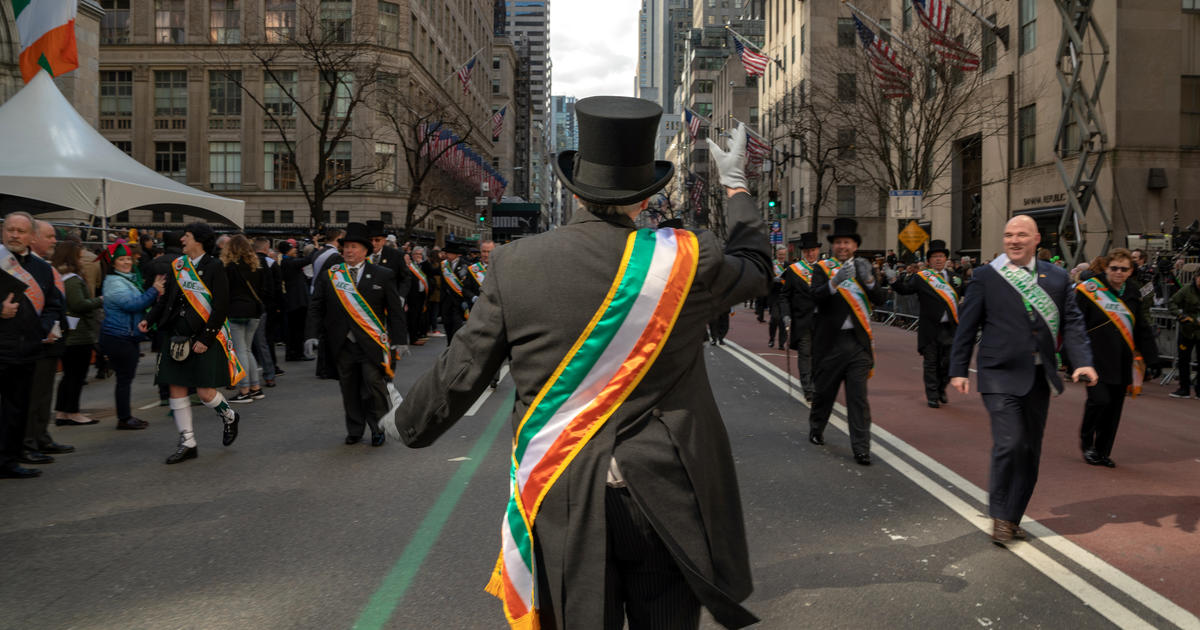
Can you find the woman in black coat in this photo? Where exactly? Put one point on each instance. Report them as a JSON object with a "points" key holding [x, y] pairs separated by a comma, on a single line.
{"points": [[246, 309]]}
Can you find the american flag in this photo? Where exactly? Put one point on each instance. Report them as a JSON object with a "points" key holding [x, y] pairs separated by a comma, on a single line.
{"points": [[893, 77], [755, 63], [935, 15], [498, 122], [693, 122], [464, 75], [756, 150], [697, 192]]}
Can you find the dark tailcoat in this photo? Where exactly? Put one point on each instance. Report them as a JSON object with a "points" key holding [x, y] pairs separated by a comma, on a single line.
{"points": [[295, 284], [798, 294], [393, 260], [832, 311], [668, 435], [1111, 356], [931, 303], [328, 320]]}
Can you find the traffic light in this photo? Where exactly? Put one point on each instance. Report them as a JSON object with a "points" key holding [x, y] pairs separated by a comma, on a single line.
{"points": [[482, 217], [773, 199]]}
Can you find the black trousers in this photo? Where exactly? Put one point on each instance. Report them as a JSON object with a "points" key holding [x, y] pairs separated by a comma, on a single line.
{"points": [[1184, 363], [802, 344], [848, 363], [1018, 424], [760, 306], [75, 364], [936, 364], [41, 391], [718, 327], [643, 584], [1101, 416], [123, 355], [295, 334], [415, 317], [364, 389], [14, 411], [776, 322], [452, 319]]}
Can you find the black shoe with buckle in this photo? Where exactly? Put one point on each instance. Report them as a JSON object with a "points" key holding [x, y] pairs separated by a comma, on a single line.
{"points": [[230, 429]]}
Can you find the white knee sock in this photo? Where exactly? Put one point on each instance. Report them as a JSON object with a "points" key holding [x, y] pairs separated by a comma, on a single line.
{"points": [[181, 410], [222, 408]]}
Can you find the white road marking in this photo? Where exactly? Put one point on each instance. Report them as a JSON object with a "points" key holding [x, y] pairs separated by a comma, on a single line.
{"points": [[1090, 595], [150, 406], [487, 393]]}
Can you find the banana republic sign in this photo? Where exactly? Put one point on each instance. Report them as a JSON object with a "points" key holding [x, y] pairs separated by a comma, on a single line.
{"points": [[1044, 200]]}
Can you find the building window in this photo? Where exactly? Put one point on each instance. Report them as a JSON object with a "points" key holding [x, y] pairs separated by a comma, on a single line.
{"points": [[704, 87], [753, 116], [158, 216], [278, 88], [803, 32], [1027, 134], [847, 90], [224, 99], [343, 85], [225, 22], [1191, 6], [125, 146], [845, 201], [1028, 17], [170, 159], [280, 20], [495, 86], [1070, 142], [704, 109], [170, 99], [385, 162], [387, 218], [168, 21], [341, 216], [907, 16], [287, 216], [495, 63], [335, 20], [1189, 97], [114, 26], [845, 139], [225, 165], [389, 24], [340, 164], [116, 99], [278, 171], [268, 216], [845, 33], [800, 204], [988, 38]]}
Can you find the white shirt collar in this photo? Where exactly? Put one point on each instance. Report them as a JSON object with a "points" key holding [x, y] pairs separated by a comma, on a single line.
{"points": [[196, 260]]}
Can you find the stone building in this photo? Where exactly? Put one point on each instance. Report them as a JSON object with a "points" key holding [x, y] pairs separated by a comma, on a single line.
{"points": [[78, 86]]}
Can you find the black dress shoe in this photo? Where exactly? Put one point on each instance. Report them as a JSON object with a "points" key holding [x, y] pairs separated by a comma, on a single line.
{"points": [[353, 439], [131, 424], [68, 422], [279, 372], [863, 459], [56, 448], [771, 344], [183, 453], [942, 399], [1092, 457], [377, 439], [17, 472], [34, 457], [816, 438], [933, 404], [1108, 463], [230, 429]]}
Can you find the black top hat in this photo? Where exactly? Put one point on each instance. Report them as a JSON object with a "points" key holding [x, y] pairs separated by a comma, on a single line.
{"points": [[615, 162], [845, 227], [455, 247], [375, 228], [357, 233], [936, 246], [808, 240], [671, 223]]}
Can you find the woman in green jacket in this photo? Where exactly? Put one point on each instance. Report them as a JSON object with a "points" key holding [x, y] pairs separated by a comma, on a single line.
{"points": [[83, 318]]}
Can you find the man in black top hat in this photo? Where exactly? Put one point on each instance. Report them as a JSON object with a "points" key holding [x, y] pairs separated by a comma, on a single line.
{"points": [[459, 290], [843, 289], [797, 295], [938, 290], [385, 255], [356, 306]]}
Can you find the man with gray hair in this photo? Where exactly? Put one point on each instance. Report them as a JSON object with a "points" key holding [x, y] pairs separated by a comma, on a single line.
{"points": [[39, 446]]}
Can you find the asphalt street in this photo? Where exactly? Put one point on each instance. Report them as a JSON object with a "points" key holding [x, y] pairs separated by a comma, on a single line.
{"points": [[290, 528]]}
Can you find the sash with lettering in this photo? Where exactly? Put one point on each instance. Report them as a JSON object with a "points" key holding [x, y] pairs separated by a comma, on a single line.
{"points": [[1035, 296], [804, 270], [478, 271], [360, 312], [200, 298], [1121, 317], [605, 364], [420, 275], [856, 296], [33, 290], [452, 281], [943, 289]]}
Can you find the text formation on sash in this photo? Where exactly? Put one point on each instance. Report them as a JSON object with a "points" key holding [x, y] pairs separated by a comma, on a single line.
{"points": [[356, 306]]}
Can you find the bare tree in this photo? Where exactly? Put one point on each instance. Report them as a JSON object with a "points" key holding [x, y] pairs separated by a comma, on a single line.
{"points": [[812, 122]]}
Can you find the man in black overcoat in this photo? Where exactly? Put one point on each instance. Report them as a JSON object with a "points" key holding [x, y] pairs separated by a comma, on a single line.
{"points": [[797, 295], [362, 363], [294, 299], [457, 300], [938, 291], [656, 479], [385, 255]]}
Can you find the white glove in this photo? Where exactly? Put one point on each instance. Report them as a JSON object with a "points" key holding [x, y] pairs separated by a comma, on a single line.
{"points": [[388, 421], [399, 351], [731, 164], [864, 271], [844, 273], [310, 348]]}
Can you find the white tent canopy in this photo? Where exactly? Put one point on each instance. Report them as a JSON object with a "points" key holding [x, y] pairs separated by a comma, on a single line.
{"points": [[52, 155]]}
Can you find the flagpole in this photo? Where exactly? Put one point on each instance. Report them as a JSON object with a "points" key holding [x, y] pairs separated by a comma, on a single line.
{"points": [[459, 66], [879, 26], [702, 118], [742, 38], [1001, 33]]}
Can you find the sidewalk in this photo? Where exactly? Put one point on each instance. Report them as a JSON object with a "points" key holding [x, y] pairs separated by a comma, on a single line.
{"points": [[1141, 517]]}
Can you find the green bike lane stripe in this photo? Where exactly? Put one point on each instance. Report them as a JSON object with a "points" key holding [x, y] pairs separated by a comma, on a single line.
{"points": [[391, 592]]}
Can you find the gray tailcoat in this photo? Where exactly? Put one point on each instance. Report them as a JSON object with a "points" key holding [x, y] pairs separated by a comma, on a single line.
{"points": [[668, 435]]}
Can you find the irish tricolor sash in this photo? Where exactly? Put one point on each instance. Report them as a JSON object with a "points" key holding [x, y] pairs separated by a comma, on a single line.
{"points": [[416, 271], [451, 280], [943, 289], [200, 298], [804, 270], [360, 311], [58, 282], [478, 271], [601, 369], [1030, 290], [856, 296], [1112, 306], [779, 269], [33, 290]]}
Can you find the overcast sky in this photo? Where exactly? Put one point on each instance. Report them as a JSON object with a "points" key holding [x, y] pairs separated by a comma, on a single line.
{"points": [[593, 46]]}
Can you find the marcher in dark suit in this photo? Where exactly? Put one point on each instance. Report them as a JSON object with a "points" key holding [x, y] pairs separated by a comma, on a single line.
{"points": [[777, 307], [420, 284], [40, 447], [322, 259], [384, 255], [654, 476], [938, 291], [797, 295], [31, 308], [190, 321], [361, 343], [1017, 362], [459, 290], [1122, 343], [295, 299], [843, 288]]}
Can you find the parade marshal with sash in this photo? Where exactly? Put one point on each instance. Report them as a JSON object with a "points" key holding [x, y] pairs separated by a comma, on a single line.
{"points": [[938, 291], [797, 294], [623, 498], [357, 307], [1023, 307]]}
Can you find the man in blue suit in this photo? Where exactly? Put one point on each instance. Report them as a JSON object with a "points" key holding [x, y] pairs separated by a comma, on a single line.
{"points": [[1022, 305]]}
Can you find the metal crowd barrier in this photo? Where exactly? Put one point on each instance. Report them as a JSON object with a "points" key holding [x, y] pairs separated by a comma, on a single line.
{"points": [[1166, 336]]}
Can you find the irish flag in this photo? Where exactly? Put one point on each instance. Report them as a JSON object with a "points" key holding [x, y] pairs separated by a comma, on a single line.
{"points": [[47, 31]]}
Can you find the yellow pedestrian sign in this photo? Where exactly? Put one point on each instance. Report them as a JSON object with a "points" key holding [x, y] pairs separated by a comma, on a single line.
{"points": [[912, 236]]}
